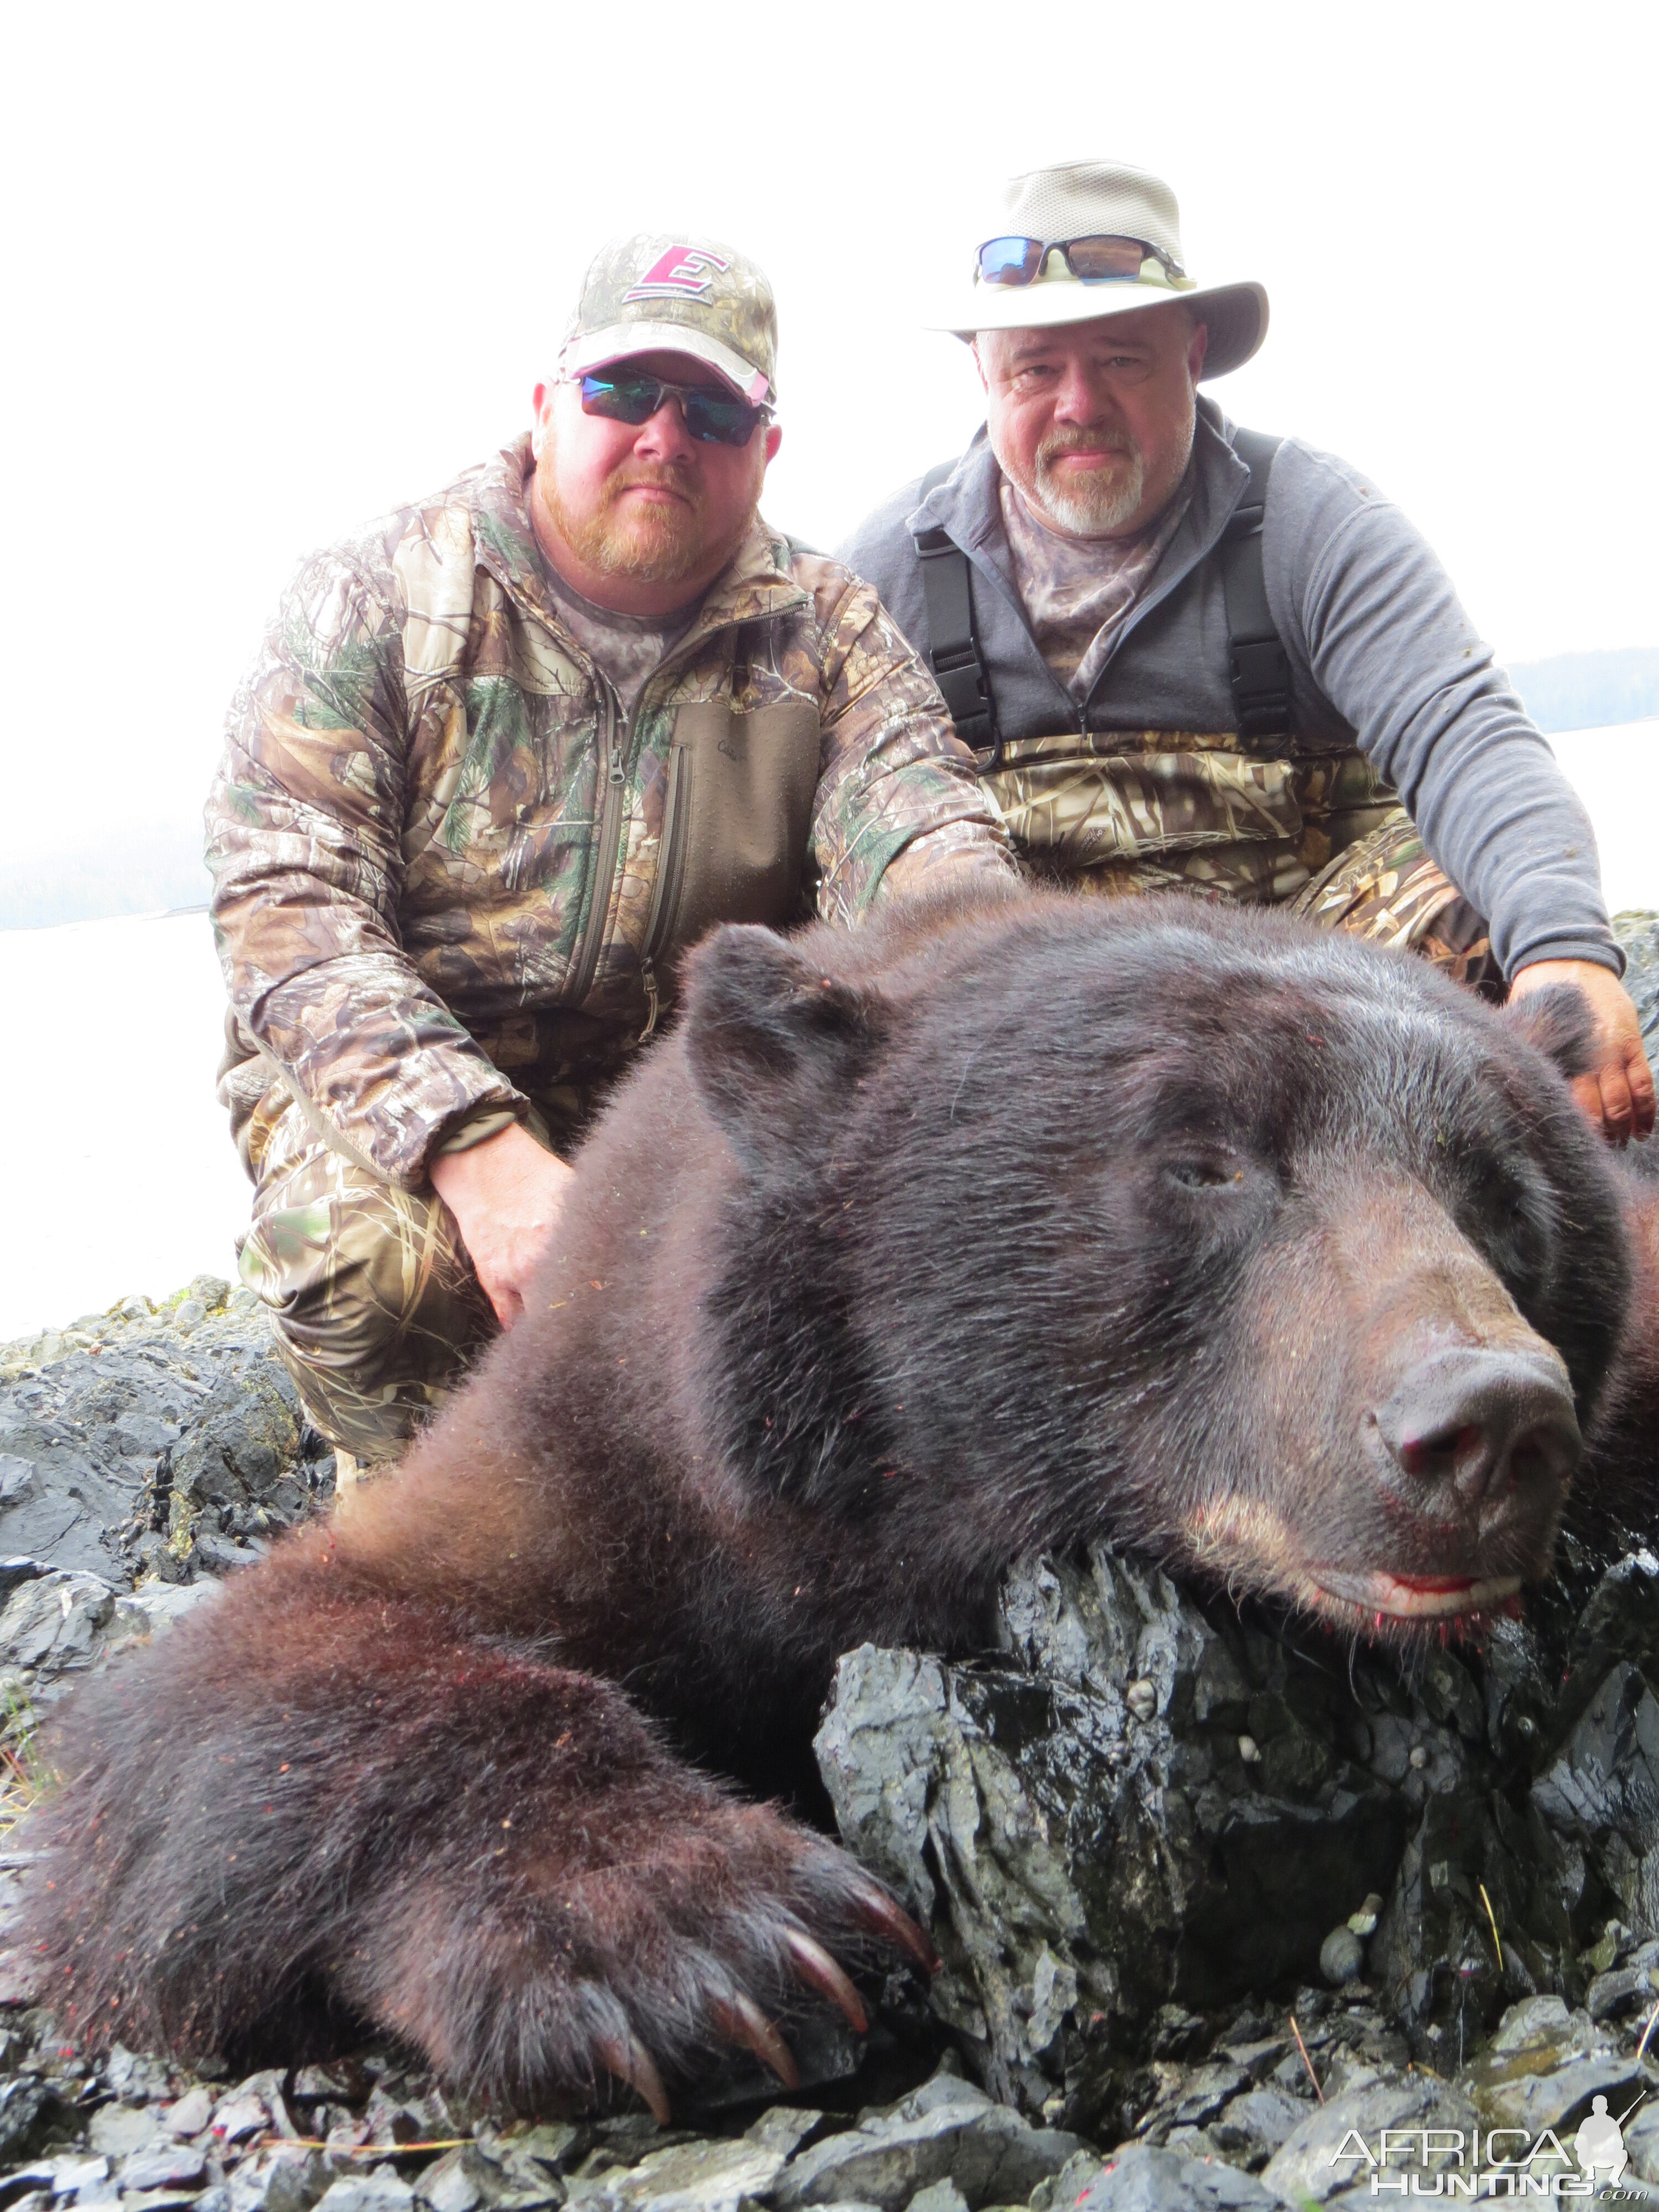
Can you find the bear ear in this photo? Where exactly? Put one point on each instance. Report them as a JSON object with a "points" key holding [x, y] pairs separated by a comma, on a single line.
{"points": [[761, 1019], [1557, 1020]]}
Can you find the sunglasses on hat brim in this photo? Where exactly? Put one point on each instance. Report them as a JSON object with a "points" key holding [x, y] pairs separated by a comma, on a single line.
{"points": [[713, 417], [1097, 260]]}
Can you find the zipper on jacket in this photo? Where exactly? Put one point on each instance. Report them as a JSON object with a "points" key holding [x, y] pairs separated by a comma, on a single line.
{"points": [[665, 893], [610, 813]]}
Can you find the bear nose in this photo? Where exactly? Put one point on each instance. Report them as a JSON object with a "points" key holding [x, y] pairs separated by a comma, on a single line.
{"points": [[1483, 1422]]}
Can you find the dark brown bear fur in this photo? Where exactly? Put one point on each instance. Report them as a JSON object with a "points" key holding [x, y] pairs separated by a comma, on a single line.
{"points": [[911, 1251]]}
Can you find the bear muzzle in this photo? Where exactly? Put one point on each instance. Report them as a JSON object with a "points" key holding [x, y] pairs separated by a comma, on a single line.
{"points": [[1481, 1424], [1473, 1451]]}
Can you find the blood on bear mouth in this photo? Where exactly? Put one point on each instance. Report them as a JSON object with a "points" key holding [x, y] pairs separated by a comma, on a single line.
{"points": [[1227, 1532], [1419, 1597]]}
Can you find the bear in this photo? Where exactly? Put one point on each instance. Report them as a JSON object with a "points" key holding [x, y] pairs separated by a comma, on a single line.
{"points": [[993, 1227]]}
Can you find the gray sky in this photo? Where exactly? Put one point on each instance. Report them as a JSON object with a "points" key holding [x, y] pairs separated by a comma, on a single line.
{"points": [[275, 269]]}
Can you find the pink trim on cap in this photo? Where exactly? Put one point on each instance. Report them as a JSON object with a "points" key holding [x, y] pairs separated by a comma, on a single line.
{"points": [[627, 341]]}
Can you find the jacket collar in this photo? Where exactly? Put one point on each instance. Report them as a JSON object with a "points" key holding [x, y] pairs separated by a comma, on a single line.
{"points": [[966, 506], [755, 584]]}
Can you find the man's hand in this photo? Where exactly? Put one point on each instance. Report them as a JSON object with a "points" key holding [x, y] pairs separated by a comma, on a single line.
{"points": [[505, 1194], [1617, 1093]]}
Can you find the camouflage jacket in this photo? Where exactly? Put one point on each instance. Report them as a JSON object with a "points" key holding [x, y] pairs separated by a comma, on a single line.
{"points": [[451, 878]]}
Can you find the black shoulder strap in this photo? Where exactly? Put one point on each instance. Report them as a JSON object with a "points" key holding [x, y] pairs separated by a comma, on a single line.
{"points": [[1258, 667], [1257, 664], [953, 644]]}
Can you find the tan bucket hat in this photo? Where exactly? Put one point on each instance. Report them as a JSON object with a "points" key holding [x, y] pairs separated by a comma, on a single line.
{"points": [[1104, 199]]}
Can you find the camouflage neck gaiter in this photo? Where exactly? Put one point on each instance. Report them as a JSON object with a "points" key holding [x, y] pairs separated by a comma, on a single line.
{"points": [[1079, 591], [625, 648]]}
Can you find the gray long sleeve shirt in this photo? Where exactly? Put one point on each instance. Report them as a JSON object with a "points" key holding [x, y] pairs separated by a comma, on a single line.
{"points": [[1381, 652]]}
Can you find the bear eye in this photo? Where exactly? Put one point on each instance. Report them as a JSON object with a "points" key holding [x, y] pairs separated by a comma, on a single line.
{"points": [[1510, 1224], [1206, 1174]]}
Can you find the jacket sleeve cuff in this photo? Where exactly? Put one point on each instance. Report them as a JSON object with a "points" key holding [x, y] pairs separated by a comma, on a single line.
{"points": [[954, 849], [476, 1129], [1602, 952], [456, 1090]]}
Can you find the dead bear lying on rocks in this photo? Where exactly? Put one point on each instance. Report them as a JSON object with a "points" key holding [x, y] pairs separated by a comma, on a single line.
{"points": [[982, 1230]]}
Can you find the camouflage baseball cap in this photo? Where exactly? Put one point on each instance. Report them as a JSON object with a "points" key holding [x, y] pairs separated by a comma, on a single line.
{"points": [[658, 293]]}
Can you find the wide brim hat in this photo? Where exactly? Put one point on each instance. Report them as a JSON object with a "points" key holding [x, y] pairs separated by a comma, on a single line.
{"points": [[1090, 199]]}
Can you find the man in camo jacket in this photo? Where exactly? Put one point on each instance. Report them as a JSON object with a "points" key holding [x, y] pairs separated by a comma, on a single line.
{"points": [[504, 756]]}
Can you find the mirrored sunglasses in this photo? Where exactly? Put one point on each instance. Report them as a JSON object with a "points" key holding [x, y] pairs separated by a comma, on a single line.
{"points": [[1091, 260], [714, 418]]}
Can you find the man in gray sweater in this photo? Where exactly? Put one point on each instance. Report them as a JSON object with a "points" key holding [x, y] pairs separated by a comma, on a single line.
{"points": [[1186, 656]]}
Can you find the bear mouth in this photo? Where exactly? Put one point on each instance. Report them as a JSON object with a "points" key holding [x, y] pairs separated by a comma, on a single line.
{"points": [[1419, 1597], [1243, 1539]]}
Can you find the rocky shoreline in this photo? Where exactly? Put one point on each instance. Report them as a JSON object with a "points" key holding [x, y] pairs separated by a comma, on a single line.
{"points": [[1214, 1898], [1004, 1823]]}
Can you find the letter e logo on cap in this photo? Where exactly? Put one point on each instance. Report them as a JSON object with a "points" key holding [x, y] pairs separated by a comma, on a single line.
{"points": [[685, 271]]}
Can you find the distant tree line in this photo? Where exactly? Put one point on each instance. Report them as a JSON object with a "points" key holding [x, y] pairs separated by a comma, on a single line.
{"points": [[153, 868], [150, 869], [1590, 690]]}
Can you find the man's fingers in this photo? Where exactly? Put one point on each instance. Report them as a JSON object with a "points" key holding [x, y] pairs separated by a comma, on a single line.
{"points": [[1587, 1097], [1639, 1077], [1616, 1116], [1618, 1095]]}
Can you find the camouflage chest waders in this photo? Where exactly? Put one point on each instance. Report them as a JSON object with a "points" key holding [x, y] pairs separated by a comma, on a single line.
{"points": [[1254, 813]]}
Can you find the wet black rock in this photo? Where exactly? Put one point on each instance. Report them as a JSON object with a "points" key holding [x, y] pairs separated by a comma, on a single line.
{"points": [[144, 1453], [153, 1441], [242, 1450], [945, 2130], [1432, 2121], [1143, 2180], [26, 2107], [1104, 1883], [1083, 1868]]}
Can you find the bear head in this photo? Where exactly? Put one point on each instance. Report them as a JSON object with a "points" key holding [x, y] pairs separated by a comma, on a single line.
{"points": [[1279, 1256]]}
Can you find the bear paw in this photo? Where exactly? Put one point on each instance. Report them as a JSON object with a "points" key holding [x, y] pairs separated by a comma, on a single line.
{"points": [[702, 1923]]}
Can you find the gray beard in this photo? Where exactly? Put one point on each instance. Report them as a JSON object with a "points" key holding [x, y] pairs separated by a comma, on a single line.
{"points": [[1091, 510]]}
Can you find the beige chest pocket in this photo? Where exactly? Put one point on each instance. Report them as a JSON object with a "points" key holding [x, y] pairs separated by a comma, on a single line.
{"points": [[1084, 808], [736, 815]]}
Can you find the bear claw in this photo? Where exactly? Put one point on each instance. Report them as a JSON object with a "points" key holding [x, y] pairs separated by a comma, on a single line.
{"points": [[742, 2020], [883, 1917], [815, 1965], [630, 2062]]}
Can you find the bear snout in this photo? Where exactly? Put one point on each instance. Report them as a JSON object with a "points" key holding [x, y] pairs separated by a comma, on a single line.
{"points": [[1445, 1430], [1473, 1453], [1472, 1426]]}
